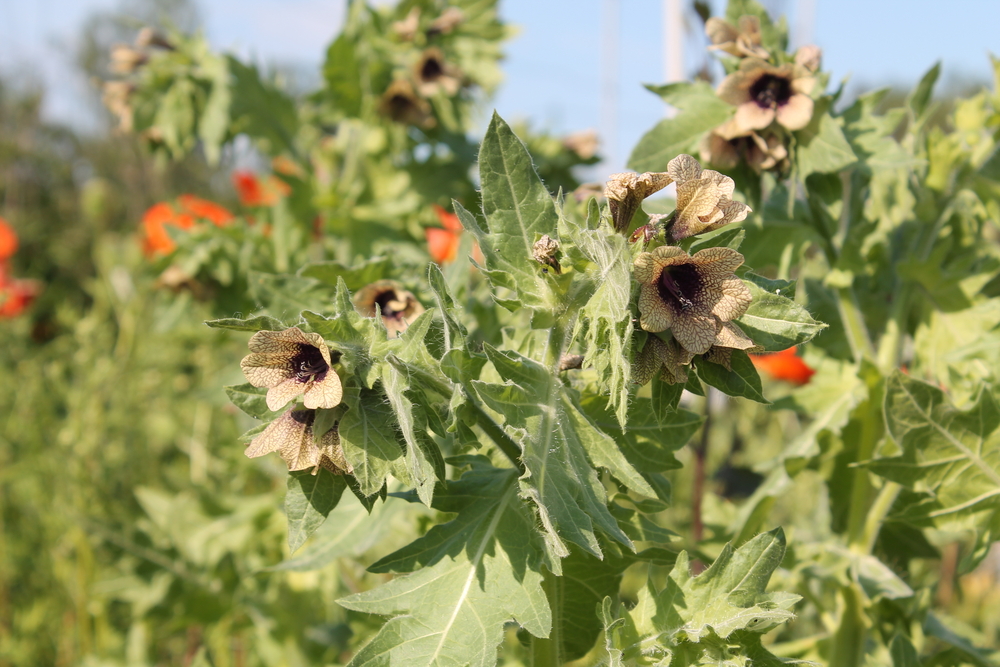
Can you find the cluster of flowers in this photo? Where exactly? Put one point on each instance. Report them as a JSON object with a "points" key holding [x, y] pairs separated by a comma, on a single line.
{"points": [[184, 214], [694, 297], [770, 93], [406, 98], [15, 295], [126, 59], [293, 363], [188, 210]]}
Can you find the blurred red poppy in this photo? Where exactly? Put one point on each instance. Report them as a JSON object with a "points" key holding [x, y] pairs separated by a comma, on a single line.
{"points": [[442, 244], [17, 295], [8, 240], [255, 192], [784, 365], [183, 215], [202, 208]]}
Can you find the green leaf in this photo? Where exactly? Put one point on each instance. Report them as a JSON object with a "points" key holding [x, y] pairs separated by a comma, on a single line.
{"points": [[919, 100], [213, 126], [349, 530], [308, 502], [370, 440], [286, 295], [774, 321], [605, 321], [728, 237], [822, 147], [585, 581], [903, 653], [478, 571], [742, 380], [559, 478], [251, 400], [262, 111], [951, 454], [949, 632], [411, 420], [518, 210], [259, 323], [700, 111], [649, 438], [356, 276], [717, 614]]}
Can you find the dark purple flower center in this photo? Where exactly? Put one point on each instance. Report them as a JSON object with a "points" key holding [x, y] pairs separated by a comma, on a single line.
{"points": [[305, 417], [400, 106], [432, 70], [385, 301], [770, 91], [309, 364], [677, 284]]}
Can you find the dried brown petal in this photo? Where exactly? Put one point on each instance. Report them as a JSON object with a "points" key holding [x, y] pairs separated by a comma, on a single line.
{"points": [[583, 143], [450, 18], [704, 199], [407, 28], [626, 191], [742, 42], [546, 251], [148, 37], [668, 359], [125, 59]]}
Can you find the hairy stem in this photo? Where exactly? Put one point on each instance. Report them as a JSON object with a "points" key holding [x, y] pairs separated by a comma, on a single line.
{"points": [[496, 433], [547, 651]]}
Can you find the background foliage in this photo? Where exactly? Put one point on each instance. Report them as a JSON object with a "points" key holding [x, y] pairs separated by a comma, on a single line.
{"points": [[503, 509]]}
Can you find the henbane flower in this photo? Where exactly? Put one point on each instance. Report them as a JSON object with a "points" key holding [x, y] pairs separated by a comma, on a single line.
{"points": [[690, 295], [763, 93], [397, 306], [704, 199], [626, 191], [291, 435], [290, 363], [741, 41]]}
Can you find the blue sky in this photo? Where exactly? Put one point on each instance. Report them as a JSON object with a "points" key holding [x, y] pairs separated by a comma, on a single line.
{"points": [[559, 64]]}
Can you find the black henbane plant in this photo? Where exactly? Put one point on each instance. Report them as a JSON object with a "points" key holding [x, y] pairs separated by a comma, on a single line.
{"points": [[552, 492]]}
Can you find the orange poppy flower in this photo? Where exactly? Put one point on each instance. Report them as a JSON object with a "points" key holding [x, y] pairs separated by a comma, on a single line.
{"points": [[183, 216], [8, 240], [255, 192], [202, 208], [16, 296], [443, 243], [154, 222], [784, 365]]}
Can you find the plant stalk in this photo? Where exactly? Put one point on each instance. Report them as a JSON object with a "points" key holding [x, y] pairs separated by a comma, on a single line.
{"points": [[547, 651]]}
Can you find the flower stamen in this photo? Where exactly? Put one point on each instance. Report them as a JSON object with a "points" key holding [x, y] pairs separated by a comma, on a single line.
{"points": [[770, 91]]}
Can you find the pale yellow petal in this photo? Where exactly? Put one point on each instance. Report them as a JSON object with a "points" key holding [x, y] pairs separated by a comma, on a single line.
{"points": [[683, 168], [279, 395], [735, 300], [796, 112], [273, 438], [731, 336], [752, 116], [695, 331], [654, 315], [265, 370], [325, 393]]}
